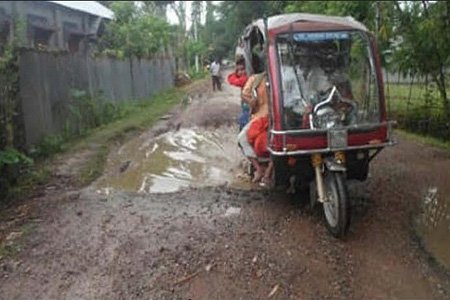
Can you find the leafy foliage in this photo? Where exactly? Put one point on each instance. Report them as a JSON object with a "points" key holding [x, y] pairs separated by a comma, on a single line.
{"points": [[423, 44], [87, 112], [13, 164], [134, 32]]}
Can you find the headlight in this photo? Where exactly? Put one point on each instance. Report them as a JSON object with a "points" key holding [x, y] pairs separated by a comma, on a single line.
{"points": [[326, 118]]}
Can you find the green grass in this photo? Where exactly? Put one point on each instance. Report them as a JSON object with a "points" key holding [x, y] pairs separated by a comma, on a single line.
{"points": [[138, 116], [8, 250], [38, 174], [417, 110], [426, 140], [93, 168], [403, 97], [399, 95], [12, 247]]}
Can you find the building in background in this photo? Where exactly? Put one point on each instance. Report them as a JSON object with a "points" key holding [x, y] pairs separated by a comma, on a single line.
{"points": [[53, 25]]}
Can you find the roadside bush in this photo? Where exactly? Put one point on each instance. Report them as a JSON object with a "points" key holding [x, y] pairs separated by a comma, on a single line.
{"points": [[198, 75], [418, 109], [13, 165], [88, 112], [50, 145]]}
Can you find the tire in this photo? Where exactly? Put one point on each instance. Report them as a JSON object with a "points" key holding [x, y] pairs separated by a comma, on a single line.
{"points": [[337, 211]]}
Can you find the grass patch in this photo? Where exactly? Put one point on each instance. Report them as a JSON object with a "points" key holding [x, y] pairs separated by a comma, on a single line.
{"points": [[93, 168], [419, 110], [10, 248], [445, 145], [401, 97], [39, 174], [201, 74], [138, 116]]}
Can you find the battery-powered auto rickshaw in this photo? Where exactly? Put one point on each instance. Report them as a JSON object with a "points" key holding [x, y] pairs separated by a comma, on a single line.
{"points": [[327, 116]]}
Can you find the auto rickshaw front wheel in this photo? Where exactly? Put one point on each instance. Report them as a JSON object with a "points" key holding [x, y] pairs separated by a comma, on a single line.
{"points": [[336, 209]]}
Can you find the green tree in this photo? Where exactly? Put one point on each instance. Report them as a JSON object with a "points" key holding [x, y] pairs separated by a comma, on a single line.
{"points": [[423, 43], [232, 18], [180, 41], [134, 32], [156, 8], [377, 16], [196, 14]]}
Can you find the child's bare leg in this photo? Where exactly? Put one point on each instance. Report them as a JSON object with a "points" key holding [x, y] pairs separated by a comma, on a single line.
{"points": [[259, 173], [268, 173]]}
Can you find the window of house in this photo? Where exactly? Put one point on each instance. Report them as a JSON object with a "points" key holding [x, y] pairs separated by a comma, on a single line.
{"points": [[40, 32], [72, 36], [41, 38], [74, 43]]}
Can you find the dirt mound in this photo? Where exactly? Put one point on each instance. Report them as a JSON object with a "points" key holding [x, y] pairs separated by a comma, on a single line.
{"points": [[182, 79]]}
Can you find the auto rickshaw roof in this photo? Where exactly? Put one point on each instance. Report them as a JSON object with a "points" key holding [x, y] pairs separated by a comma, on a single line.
{"points": [[278, 21]]}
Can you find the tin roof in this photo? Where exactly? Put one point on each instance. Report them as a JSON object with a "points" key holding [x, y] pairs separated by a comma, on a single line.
{"points": [[281, 20], [89, 7]]}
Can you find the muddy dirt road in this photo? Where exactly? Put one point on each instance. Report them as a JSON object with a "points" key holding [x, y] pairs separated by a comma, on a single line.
{"points": [[174, 218]]}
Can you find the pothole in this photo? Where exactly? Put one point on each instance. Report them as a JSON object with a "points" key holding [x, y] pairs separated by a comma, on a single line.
{"points": [[434, 225], [189, 157]]}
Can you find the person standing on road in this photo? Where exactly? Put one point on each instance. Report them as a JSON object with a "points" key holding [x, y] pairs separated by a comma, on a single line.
{"points": [[215, 75], [239, 78]]}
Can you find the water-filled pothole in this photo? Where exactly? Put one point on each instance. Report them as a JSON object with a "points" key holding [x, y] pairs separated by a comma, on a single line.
{"points": [[434, 225], [189, 157]]}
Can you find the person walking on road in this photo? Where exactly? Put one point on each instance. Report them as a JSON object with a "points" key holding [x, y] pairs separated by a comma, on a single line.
{"points": [[215, 75]]}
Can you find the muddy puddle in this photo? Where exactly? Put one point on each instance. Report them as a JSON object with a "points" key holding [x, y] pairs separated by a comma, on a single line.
{"points": [[434, 224], [189, 157]]}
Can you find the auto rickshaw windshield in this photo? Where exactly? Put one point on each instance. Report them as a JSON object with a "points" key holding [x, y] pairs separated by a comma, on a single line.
{"points": [[312, 63]]}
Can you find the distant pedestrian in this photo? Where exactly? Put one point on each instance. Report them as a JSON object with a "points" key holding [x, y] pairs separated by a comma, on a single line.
{"points": [[215, 75]]}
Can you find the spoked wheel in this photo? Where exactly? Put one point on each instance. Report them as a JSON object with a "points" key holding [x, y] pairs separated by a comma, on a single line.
{"points": [[337, 208]]}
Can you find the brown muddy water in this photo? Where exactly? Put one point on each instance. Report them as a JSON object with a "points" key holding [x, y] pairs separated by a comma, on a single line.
{"points": [[189, 157], [434, 224]]}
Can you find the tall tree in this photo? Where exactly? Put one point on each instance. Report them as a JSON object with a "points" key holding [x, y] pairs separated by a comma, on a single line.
{"points": [[196, 16], [181, 59], [156, 8]]}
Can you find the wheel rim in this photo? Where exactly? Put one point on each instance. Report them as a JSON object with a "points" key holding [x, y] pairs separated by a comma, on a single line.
{"points": [[331, 207]]}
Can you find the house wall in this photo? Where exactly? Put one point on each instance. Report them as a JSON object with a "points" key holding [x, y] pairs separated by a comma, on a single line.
{"points": [[56, 16]]}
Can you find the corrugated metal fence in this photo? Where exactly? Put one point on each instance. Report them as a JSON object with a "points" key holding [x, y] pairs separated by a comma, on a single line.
{"points": [[46, 81]]}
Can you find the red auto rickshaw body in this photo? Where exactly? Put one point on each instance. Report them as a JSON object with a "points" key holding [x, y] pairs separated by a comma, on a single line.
{"points": [[284, 141]]}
